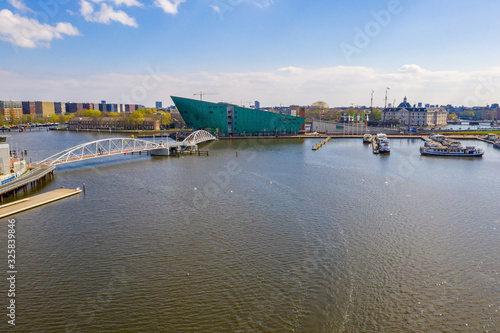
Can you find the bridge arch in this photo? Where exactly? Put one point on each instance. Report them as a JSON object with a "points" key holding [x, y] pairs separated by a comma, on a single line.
{"points": [[198, 137], [99, 148]]}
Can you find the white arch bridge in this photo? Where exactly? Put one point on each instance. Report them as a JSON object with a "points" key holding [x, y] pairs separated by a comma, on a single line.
{"points": [[114, 146]]}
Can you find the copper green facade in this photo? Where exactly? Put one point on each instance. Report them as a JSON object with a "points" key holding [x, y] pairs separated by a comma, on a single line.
{"points": [[228, 119]]}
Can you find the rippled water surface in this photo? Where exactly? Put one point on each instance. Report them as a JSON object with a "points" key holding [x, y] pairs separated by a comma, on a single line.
{"points": [[273, 238]]}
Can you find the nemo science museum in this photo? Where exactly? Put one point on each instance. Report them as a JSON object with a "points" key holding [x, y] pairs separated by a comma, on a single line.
{"points": [[226, 119]]}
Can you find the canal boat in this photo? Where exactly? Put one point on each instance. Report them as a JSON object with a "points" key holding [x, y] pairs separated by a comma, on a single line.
{"points": [[367, 138], [383, 143], [452, 143], [384, 146], [468, 151], [438, 137], [491, 137], [430, 143], [497, 144]]}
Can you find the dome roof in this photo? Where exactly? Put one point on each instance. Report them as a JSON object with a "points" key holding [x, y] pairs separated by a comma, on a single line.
{"points": [[405, 104]]}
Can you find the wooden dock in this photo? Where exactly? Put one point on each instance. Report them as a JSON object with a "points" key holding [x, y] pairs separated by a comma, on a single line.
{"points": [[194, 152], [375, 147], [322, 143], [487, 141], [36, 201]]}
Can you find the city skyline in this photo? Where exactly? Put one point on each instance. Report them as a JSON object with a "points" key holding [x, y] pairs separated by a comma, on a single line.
{"points": [[277, 52]]}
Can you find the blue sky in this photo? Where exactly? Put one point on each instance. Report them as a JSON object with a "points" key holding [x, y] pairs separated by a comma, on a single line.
{"points": [[275, 51]]}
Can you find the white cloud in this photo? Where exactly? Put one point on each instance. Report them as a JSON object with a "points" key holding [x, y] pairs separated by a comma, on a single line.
{"points": [[263, 3], [169, 6], [105, 14], [25, 32], [19, 5], [411, 69], [215, 8], [338, 86], [128, 3]]}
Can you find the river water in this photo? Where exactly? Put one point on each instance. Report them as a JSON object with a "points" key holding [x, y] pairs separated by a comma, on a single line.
{"points": [[262, 236]]}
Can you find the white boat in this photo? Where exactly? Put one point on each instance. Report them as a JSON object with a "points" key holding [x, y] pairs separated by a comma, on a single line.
{"points": [[382, 143], [430, 143], [497, 144], [384, 146], [160, 152], [451, 143], [468, 151], [367, 138], [438, 137], [491, 137]]}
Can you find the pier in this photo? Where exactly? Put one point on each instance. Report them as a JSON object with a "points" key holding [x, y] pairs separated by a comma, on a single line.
{"points": [[36, 201], [375, 147], [32, 177], [322, 143]]}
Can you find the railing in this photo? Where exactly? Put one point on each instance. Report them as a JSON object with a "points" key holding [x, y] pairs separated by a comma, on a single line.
{"points": [[26, 179]]}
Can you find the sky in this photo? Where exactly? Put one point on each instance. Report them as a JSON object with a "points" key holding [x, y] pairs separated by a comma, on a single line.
{"points": [[279, 52]]}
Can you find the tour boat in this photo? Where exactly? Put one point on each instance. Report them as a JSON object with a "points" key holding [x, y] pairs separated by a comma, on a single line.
{"points": [[430, 143], [451, 143], [468, 151], [367, 138], [384, 146], [383, 143], [491, 137], [438, 137]]}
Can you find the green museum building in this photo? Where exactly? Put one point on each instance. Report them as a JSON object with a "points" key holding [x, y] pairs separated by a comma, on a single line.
{"points": [[226, 119]]}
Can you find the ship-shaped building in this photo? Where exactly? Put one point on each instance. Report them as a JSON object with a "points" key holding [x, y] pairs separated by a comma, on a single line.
{"points": [[226, 119]]}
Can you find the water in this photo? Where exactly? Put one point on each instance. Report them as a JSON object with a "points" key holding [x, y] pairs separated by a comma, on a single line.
{"points": [[278, 239]]}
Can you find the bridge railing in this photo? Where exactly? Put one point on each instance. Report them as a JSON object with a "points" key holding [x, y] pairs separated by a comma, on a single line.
{"points": [[113, 146], [198, 137], [99, 148]]}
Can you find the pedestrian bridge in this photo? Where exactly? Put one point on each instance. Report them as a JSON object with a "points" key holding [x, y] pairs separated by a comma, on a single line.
{"points": [[114, 146]]}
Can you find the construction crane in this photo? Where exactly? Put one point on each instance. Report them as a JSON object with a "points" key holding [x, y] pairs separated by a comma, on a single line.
{"points": [[201, 94]]}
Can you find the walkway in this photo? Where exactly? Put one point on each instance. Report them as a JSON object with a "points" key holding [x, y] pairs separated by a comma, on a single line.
{"points": [[35, 201]]}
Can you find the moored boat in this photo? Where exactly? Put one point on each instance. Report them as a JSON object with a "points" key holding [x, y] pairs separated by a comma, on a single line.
{"points": [[497, 144], [491, 137], [438, 137], [383, 143], [430, 143], [468, 151], [367, 138]]}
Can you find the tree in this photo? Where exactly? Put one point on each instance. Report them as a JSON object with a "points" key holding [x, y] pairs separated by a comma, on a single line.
{"points": [[468, 113], [351, 112], [92, 113], [11, 115], [376, 115], [319, 108], [53, 118], [147, 111], [452, 116], [166, 118]]}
